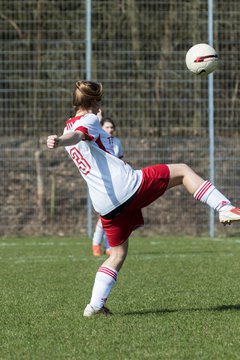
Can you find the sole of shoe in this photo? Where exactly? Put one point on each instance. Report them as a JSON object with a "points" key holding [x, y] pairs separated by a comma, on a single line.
{"points": [[229, 221]]}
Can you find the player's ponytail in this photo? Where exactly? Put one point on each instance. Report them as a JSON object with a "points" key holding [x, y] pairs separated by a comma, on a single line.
{"points": [[86, 94]]}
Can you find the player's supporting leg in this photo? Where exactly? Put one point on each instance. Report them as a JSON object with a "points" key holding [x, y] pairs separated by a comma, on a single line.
{"points": [[105, 279], [203, 191], [97, 239], [106, 244]]}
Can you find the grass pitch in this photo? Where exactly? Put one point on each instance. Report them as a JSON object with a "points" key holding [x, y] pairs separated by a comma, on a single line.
{"points": [[175, 298]]}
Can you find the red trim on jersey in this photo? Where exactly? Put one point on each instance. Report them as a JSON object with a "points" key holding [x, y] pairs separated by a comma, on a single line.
{"points": [[84, 130], [72, 120], [100, 145]]}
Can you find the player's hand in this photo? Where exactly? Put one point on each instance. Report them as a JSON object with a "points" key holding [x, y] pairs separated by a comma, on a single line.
{"points": [[52, 141]]}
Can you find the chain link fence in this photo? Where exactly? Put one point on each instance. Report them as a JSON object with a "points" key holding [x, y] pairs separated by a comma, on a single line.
{"points": [[161, 110]]}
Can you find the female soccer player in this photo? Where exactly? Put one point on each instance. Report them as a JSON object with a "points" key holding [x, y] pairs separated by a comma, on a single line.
{"points": [[117, 191], [109, 126]]}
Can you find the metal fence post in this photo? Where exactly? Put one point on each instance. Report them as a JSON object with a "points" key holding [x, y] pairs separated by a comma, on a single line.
{"points": [[88, 77], [211, 114]]}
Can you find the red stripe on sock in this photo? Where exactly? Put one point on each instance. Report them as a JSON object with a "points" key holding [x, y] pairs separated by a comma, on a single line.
{"points": [[109, 274], [108, 271], [203, 190]]}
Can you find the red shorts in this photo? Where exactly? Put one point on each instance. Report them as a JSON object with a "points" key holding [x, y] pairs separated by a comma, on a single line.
{"points": [[154, 183]]}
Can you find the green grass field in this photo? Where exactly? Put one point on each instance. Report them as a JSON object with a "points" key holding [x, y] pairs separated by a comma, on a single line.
{"points": [[175, 298]]}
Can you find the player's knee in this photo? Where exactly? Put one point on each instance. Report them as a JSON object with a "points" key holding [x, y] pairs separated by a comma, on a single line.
{"points": [[185, 169], [118, 257]]}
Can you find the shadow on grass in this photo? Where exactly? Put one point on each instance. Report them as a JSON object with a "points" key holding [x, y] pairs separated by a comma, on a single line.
{"points": [[165, 311]]}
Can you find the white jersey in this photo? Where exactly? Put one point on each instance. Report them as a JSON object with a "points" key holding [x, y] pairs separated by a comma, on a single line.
{"points": [[110, 180], [117, 147]]}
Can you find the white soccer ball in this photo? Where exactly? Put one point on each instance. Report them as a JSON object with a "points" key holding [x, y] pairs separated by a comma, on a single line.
{"points": [[202, 59]]}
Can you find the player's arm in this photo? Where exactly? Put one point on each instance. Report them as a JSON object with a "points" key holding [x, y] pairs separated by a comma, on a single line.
{"points": [[67, 139]]}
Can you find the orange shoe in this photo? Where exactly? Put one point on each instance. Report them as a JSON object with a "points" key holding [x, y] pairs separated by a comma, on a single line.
{"points": [[107, 251], [96, 250], [229, 216]]}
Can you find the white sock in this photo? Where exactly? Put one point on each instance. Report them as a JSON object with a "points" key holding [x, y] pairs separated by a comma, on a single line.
{"points": [[104, 281], [98, 234], [208, 194]]}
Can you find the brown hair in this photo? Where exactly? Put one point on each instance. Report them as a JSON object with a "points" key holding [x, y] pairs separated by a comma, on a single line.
{"points": [[108, 119], [86, 94]]}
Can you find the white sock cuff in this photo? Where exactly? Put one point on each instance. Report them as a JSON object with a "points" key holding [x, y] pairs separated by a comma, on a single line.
{"points": [[204, 191], [108, 271]]}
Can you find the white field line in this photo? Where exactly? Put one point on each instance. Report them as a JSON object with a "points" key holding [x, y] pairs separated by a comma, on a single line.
{"points": [[79, 258], [44, 259], [236, 241], [156, 242], [6, 244], [182, 255], [54, 259]]}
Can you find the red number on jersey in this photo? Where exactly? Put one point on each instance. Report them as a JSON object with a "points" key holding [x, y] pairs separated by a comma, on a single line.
{"points": [[79, 160]]}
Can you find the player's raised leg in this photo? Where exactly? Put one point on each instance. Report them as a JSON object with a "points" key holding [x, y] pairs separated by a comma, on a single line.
{"points": [[105, 279], [204, 191]]}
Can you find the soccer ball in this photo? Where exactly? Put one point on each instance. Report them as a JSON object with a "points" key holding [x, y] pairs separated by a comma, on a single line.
{"points": [[201, 59]]}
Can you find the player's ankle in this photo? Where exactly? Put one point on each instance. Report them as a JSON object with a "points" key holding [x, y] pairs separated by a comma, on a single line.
{"points": [[225, 207]]}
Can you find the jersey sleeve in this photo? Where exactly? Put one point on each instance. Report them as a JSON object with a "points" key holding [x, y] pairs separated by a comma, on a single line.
{"points": [[89, 125]]}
